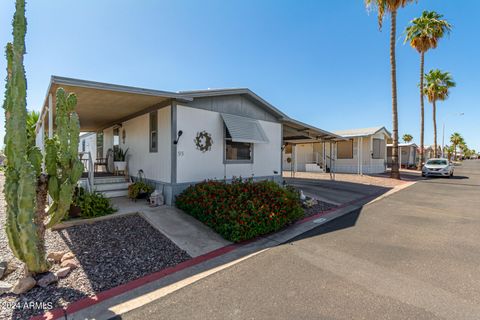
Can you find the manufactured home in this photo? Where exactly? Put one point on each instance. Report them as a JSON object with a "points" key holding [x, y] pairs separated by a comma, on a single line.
{"points": [[407, 155], [361, 151], [177, 138], [365, 151]]}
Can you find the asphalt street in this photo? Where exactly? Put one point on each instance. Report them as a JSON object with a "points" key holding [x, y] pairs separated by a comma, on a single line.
{"points": [[412, 255]]}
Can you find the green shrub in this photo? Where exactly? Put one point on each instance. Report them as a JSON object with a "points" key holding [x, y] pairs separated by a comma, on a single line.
{"points": [[139, 187], [241, 210], [92, 204], [119, 154]]}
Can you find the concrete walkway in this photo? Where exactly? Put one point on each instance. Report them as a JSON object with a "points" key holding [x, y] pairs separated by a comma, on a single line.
{"points": [[185, 231]]}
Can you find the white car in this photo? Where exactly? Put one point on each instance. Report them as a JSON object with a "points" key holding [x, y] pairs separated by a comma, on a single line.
{"points": [[437, 167]]}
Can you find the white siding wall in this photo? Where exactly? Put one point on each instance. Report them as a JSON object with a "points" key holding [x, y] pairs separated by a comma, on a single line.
{"points": [[155, 165], [39, 139], [369, 165], [194, 165], [107, 140], [304, 153], [90, 145]]}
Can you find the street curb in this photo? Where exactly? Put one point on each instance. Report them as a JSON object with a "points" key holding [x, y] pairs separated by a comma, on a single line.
{"points": [[260, 243]]}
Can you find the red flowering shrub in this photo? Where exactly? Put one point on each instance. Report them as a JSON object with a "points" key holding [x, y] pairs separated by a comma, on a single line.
{"points": [[242, 209]]}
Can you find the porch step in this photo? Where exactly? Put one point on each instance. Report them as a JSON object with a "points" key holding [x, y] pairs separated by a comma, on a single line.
{"points": [[109, 180], [313, 167], [111, 186], [115, 193]]}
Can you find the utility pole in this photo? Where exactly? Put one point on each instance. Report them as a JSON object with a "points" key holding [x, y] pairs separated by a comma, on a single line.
{"points": [[443, 131]]}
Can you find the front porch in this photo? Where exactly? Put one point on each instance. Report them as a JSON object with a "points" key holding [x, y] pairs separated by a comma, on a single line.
{"points": [[103, 109]]}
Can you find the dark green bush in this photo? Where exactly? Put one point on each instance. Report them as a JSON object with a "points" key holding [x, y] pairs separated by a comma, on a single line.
{"points": [[139, 187], [242, 209], [93, 204]]}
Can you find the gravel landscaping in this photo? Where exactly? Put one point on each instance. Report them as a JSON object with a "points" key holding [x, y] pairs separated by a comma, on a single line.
{"points": [[109, 253], [318, 208]]}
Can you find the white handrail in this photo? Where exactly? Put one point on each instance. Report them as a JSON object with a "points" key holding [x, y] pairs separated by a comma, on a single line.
{"points": [[90, 169]]}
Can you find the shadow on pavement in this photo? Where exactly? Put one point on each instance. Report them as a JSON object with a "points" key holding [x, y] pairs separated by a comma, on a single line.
{"points": [[347, 221], [334, 191], [451, 178]]}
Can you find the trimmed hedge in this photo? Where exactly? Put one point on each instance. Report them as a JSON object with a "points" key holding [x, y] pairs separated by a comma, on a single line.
{"points": [[242, 209]]}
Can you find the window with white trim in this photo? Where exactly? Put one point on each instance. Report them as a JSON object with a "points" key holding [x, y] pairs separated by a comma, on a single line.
{"points": [[153, 130]]}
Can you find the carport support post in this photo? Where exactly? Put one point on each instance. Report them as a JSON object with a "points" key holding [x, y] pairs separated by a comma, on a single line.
{"points": [[361, 156], [400, 157], [358, 155], [324, 157], [50, 116]]}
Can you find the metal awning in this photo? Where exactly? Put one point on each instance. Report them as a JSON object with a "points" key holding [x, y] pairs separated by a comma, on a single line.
{"points": [[243, 129]]}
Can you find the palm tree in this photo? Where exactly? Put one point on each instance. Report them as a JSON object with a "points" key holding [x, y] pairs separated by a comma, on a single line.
{"points": [[407, 138], [423, 34], [437, 86], [382, 7], [456, 139], [463, 146], [449, 150]]}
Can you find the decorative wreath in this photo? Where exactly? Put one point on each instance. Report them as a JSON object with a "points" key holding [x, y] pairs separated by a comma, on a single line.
{"points": [[203, 141]]}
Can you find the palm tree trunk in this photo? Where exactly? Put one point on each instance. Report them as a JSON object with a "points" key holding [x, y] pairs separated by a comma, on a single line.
{"points": [[434, 128], [422, 111], [455, 157], [393, 30]]}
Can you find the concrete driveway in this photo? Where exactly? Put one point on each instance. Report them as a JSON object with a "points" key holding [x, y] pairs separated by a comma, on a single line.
{"points": [[412, 255], [335, 192]]}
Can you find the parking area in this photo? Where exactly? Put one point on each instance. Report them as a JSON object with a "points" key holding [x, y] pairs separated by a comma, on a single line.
{"points": [[345, 188]]}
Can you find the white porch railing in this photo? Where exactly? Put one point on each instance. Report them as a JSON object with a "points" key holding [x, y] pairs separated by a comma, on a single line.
{"points": [[86, 158]]}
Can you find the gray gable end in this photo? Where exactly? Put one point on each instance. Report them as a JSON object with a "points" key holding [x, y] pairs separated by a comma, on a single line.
{"points": [[236, 104]]}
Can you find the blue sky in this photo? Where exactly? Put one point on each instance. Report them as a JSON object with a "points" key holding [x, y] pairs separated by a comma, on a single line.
{"points": [[324, 63]]}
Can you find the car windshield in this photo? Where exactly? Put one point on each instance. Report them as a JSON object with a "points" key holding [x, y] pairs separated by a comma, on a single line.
{"points": [[437, 162]]}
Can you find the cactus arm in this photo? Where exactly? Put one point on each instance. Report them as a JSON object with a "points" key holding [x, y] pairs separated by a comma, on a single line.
{"points": [[62, 162], [11, 227], [29, 241], [63, 204], [35, 157]]}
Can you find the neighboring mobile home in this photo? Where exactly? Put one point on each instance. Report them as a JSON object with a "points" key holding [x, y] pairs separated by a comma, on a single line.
{"points": [[407, 157], [363, 152], [180, 138]]}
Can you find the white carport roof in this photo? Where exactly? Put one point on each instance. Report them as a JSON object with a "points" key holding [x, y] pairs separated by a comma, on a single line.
{"points": [[403, 145], [295, 131], [362, 132]]}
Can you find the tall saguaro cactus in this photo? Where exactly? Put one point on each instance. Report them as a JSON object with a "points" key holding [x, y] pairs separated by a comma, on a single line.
{"points": [[25, 185]]}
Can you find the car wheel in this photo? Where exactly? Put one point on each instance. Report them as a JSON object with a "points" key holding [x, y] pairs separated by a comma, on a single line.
{"points": [[423, 174]]}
